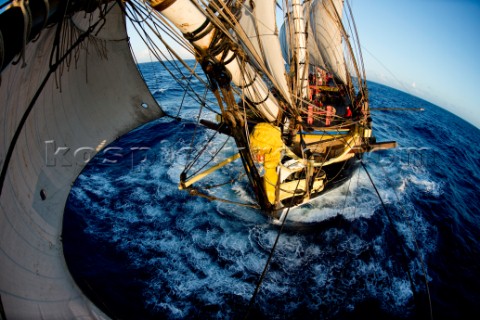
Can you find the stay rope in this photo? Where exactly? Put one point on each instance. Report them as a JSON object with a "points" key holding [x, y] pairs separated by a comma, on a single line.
{"points": [[399, 238], [192, 72], [265, 268], [196, 192], [422, 262], [270, 256], [157, 25], [346, 196]]}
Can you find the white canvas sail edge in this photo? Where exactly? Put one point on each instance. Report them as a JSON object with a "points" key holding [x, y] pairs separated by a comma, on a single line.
{"points": [[314, 56], [96, 99]]}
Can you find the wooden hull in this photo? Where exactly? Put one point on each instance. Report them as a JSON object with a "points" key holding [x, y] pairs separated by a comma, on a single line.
{"points": [[336, 175]]}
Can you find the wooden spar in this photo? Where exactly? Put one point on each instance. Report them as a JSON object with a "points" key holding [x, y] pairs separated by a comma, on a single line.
{"points": [[397, 109], [219, 127], [203, 174], [371, 147], [381, 146]]}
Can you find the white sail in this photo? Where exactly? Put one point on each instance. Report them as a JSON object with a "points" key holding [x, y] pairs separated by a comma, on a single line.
{"points": [[325, 18], [259, 23], [314, 55], [293, 39], [82, 107]]}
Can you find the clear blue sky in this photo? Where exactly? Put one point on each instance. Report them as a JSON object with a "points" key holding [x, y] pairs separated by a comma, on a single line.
{"points": [[428, 48]]}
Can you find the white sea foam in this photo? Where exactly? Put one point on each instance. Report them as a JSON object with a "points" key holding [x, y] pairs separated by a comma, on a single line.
{"points": [[352, 200], [209, 252], [159, 91], [426, 185]]}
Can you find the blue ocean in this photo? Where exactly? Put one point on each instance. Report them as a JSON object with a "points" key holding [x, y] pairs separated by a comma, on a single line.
{"points": [[140, 248]]}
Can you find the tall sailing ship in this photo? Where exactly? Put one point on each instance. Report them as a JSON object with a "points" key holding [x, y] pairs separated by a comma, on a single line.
{"points": [[294, 99]]}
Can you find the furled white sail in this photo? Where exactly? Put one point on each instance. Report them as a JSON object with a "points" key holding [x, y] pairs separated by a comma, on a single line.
{"points": [[259, 23], [85, 105], [189, 18], [300, 47], [325, 18]]}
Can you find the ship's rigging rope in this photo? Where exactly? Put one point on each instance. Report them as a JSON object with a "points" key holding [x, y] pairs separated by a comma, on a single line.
{"points": [[267, 263], [137, 14], [346, 196], [195, 192], [222, 14], [134, 13], [156, 25], [402, 249], [225, 17], [199, 154], [353, 27], [185, 91], [347, 193]]}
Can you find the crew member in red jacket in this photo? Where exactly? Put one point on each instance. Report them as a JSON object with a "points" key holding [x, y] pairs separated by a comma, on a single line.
{"points": [[348, 113]]}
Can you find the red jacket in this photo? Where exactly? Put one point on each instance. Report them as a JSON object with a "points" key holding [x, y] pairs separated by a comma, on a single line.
{"points": [[348, 114]]}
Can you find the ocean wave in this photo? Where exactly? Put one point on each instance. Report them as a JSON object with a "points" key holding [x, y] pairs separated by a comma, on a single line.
{"points": [[195, 258]]}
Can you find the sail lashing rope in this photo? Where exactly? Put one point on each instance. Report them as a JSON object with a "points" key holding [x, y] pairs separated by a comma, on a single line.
{"points": [[139, 15]]}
